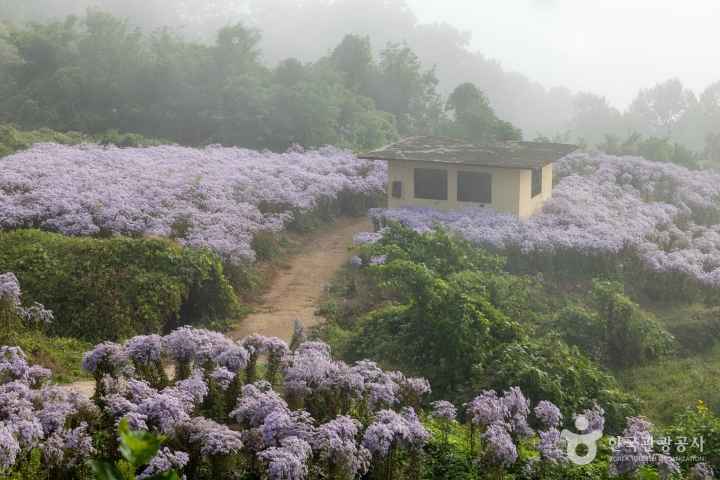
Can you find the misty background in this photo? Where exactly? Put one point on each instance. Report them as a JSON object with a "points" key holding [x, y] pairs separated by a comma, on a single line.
{"points": [[643, 78]]}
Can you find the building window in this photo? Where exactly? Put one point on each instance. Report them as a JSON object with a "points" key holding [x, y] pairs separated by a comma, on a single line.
{"points": [[474, 187], [396, 189], [431, 184], [537, 181]]}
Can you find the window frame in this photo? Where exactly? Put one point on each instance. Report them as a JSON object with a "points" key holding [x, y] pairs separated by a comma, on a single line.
{"points": [[536, 182], [475, 194], [441, 194], [396, 189]]}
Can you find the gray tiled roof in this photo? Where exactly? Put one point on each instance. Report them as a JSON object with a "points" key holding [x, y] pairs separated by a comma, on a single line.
{"points": [[453, 151]]}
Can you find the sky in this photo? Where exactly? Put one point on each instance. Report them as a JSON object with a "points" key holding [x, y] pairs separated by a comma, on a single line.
{"points": [[611, 47]]}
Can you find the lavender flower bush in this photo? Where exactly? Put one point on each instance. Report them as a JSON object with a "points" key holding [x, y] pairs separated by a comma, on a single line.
{"points": [[615, 210], [325, 421], [212, 197]]}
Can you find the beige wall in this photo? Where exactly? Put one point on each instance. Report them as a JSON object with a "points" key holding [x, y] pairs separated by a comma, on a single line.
{"points": [[528, 205], [510, 188]]}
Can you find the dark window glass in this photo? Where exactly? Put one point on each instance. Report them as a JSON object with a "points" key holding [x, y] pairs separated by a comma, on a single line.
{"points": [[431, 184], [474, 187], [396, 189], [537, 180]]}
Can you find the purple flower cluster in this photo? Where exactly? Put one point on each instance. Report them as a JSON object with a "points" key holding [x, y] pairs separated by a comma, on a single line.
{"points": [[288, 461], [501, 447], [337, 444], [9, 288], [286, 441], [211, 197], [37, 416], [663, 214], [633, 448], [548, 414], [701, 471], [444, 410], [164, 461], [392, 430], [105, 358]]}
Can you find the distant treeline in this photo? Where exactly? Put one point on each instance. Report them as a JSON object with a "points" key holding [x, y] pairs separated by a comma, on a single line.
{"points": [[95, 73]]}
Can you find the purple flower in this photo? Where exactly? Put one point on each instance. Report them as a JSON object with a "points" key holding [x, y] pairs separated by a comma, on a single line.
{"points": [[9, 447], [667, 466], [281, 424], [551, 446], [214, 193], [701, 471], [548, 414], [391, 429], [212, 438], [287, 462], [193, 389], [336, 443], [595, 418], [223, 377], [487, 409], [234, 358], [256, 402], [165, 410], [107, 357], [164, 461], [144, 349], [9, 288], [444, 410], [500, 445], [634, 448]]}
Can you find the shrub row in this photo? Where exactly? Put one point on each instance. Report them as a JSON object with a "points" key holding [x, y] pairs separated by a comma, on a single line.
{"points": [[114, 288]]}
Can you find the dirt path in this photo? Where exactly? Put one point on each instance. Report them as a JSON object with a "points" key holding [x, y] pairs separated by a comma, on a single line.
{"points": [[296, 291]]}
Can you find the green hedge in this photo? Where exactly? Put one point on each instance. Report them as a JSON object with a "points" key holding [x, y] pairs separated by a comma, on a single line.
{"points": [[13, 140], [114, 288]]}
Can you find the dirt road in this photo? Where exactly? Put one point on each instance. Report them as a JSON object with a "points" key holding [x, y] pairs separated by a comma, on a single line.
{"points": [[296, 291]]}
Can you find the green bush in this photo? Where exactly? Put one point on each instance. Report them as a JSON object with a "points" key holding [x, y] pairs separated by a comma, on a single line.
{"points": [[13, 140], [444, 309], [114, 288], [613, 329]]}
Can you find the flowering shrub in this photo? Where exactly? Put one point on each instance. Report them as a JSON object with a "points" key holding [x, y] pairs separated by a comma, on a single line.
{"points": [[607, 213], [347, 434], [213, 197]]}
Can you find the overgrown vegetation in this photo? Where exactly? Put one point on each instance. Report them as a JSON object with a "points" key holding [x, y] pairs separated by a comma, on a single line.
{"points": [[13, 140], [114, 288], [441, 306]]}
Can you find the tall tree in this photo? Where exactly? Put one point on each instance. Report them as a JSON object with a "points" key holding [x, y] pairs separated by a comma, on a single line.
{"points": [[658, 110], [354, 58]]}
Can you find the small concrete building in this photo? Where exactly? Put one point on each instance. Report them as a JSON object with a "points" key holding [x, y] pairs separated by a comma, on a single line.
{"points": [[446, 173]]}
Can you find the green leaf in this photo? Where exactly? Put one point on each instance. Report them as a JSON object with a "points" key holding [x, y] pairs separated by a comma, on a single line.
{"points": [[105, 470], [138, 448]]}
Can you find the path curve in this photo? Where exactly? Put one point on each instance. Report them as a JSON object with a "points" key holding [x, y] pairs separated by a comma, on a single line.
{"points": [[296, 291]]}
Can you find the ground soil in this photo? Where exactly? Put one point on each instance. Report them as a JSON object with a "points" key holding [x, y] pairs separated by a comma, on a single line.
{"points": [[296, 289]]}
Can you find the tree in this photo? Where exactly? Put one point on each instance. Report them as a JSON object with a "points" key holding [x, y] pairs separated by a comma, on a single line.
{"points": [[354, 58], [236, 50], [593, 118], [404, 89], [657, 110], [474, 119]]}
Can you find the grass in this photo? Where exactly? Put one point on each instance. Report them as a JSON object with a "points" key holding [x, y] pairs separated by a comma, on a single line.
{"points": [[61, 355], [670, 386]]}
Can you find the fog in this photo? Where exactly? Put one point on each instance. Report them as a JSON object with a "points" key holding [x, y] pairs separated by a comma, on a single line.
{"points": [[535, 60], [613, 47]]}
